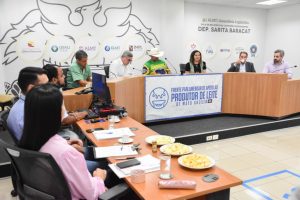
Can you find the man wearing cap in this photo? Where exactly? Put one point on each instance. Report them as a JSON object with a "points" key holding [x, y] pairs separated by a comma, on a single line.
{"points": [[122, 66], [155, 65]]}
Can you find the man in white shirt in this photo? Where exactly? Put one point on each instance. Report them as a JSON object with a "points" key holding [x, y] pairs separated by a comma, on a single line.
{"points": [[122, 66]]}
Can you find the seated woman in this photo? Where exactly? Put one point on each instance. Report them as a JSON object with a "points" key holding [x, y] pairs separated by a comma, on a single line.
{"points": [[43, 114], [196, 64]]}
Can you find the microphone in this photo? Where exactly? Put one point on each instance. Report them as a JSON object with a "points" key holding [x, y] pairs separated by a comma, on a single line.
{"points": [[171, 65], [209, 69], [113, 74], [137, 69], [283, 69]]}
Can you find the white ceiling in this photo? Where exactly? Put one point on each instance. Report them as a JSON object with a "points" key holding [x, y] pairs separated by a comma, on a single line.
{"points": [[245, 3]]}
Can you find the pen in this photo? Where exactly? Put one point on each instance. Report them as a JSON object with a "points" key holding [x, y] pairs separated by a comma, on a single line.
{"points": [[125, 158]]}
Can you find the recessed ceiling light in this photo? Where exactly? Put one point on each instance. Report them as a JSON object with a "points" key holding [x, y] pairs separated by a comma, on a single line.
{"points": [[271, 2]]}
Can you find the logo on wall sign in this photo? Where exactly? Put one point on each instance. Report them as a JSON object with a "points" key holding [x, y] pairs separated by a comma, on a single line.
{"points": [[107, 48], [112, 48], [253, 50], [135, 48], [54, 48], [30, 44], [158, 98], [193, 46], [209, 50]]}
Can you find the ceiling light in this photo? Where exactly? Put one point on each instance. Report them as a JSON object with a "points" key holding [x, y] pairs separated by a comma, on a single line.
{"points": [[271, 2]]}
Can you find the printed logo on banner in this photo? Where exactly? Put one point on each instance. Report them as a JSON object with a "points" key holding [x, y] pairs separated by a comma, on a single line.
{"points": [[158, 98], [90, 45], [238, 50], [112, 48], [30, 47], [193, 46], [107, 48], [209, 51], [135, 48], [253, 50], [54, 48], [30, 44]]}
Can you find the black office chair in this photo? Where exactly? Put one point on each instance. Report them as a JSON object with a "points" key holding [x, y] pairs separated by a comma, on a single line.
{"points": [[3, 119], [182, 68], [39, 176], [65, 72]]}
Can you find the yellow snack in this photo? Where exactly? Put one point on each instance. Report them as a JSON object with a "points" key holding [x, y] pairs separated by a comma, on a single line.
{"points": [[177, 149], [196, 161], [163, 139]]}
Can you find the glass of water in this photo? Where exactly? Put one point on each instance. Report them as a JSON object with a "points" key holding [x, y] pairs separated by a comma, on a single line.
{"points": [[111, 121], [165, 167]]}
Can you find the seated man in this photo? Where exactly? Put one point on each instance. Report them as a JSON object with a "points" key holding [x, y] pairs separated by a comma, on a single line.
{"points": [[28, 78], [155, 65], [57, 77], [278, 65], [79, 73], [122, 66], [241, 65]]}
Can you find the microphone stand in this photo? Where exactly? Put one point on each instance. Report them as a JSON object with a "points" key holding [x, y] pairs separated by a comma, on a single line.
{"points": [[171, 65], [283, 69]]}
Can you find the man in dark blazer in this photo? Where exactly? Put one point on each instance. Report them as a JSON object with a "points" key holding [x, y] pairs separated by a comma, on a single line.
{"points": [[241, 65]]}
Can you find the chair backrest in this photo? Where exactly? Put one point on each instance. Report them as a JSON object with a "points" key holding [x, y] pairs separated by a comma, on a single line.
{"points": [[39, 176], [182, 68], [3, 118], [65, 72]]}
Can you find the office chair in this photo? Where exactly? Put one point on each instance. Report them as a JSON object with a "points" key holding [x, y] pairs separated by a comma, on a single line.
{"points": [[182, 68], [39, 176], [3, 119], [65, 72]]}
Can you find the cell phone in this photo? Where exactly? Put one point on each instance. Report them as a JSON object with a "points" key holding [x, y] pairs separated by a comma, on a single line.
{"points": [[93, 129], [95, 120], [128, 163]]}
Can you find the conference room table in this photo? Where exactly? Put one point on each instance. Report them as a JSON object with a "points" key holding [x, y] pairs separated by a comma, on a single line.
{"points": [[149, 189], [74, 101]]}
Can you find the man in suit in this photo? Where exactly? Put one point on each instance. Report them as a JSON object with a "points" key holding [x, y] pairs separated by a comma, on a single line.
{"points": [[241, 65]]}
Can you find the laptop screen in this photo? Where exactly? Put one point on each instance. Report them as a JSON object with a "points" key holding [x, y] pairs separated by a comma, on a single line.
{"points": [[100, 89]]}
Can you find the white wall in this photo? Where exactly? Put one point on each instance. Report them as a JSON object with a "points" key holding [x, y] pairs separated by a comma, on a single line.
{"points": [[2, 90], [173, 25], [283, 32], [194, 15], [118, 23], [171, 31]]}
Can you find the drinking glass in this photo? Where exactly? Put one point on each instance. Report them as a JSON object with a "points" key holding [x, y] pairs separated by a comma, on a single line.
{"points": [[165, 167]]}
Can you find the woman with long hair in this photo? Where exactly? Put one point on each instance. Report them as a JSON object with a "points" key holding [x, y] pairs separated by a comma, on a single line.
{"points": [[196, 64], [43, 114]]}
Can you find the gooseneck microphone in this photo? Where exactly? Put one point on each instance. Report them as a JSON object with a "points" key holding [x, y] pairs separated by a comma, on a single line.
{"points": [[171, 65], [113, 74], [137, 69], [284, 68], [209, 69]]}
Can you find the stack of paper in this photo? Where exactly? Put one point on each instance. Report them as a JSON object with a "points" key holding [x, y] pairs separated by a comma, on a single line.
{"points": [[122, 150], [148, 163], [113, 133]]}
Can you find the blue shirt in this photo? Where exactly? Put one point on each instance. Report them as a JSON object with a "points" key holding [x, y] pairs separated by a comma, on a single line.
{"points": [[15, 120]]}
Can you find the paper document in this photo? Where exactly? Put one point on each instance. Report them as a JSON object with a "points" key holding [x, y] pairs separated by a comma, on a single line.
{"points": [[148, 163], [114, 133], [122, 150]]}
